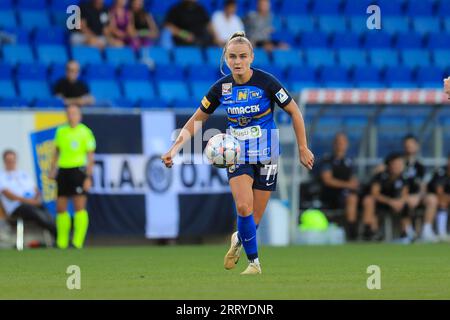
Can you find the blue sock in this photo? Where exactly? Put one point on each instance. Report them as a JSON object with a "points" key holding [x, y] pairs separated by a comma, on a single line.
{"points": [[247, 230], [239, 235]]}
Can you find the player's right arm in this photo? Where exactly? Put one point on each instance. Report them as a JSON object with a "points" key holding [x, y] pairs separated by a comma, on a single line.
{"points": [[188, 131]]}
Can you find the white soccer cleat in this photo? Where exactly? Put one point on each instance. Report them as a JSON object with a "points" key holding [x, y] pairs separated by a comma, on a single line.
{"points": [[234, 253], [253, 268], [429, 237]]}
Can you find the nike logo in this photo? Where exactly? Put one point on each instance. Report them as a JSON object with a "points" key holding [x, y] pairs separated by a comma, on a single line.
{"points": [[227, 97], [249, 239], [269, 184]]}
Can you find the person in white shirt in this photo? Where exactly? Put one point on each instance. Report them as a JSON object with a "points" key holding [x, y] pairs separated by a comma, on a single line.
{"points": [[226, 22], [19, 195]]}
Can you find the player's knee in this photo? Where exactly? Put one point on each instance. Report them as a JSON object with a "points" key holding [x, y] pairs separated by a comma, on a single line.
{"points": [[244, 208]]}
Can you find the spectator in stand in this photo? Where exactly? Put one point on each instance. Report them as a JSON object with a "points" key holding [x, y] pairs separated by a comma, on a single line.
{"points": [[226, 22], [122, 25], [190, 24], [71, 89], [259, 27], [146, 28], [95, 30], [340, 185]]}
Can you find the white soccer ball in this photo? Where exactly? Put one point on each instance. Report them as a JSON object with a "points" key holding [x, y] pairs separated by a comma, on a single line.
{"points": [[223, 150]]}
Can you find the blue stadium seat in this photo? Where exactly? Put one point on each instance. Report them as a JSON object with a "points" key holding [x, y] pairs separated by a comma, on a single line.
{"points": [[105, 90], [49, 54], [297, 24], [355, 127], [213, 55], [287, 58], [430, 77], [390, 131], [31, 90], [14, 102], [376, 39], [415, 58], [297, 7], [367, 77], [318, 58], [17, 54], [189, 103], [61, 5], [286, 37], [8, 89], [34, 19], [277, 72], [8, 19], [99, 71], [438, 41], [161, 7], [352, 58], [443, 8], [6, 71], [31, 71], [134, 72], [334, 76], [53, 103], [117, 56], [357, 8], [153, 103], [314, 40], [300, 77], [261, 57], [15, 35], [329, 7], [169, 73], [137, 90], [123, 103], [186, 56], [441, 59], [157, 54], [56, 72], [399, 77], [6, 5], [358, 25], [391, 7], [415, 8], [395, 25], [446, 22], [31, 4], [85, 55], [333, 23], [53, 35], [426, 25], [384, 58], [346, 40], [200, 89], [205, 73], [171, 90], [409, 41]]}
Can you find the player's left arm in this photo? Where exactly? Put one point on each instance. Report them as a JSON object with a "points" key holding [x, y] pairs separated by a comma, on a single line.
{"points": [[306, 156]]}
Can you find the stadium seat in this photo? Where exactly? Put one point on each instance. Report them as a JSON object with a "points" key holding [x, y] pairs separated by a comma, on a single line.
{"points": [[426, 25], [287, 58], [213, 55], [299, 7], [156, 103], [14, 102], [8, 19], [161, 7], [399, 77], [85, 55], [15, 35], [357, 8], [34, 89], [441, 59], [395, 25], [276, 71], [415, 8], [297, 24], [352, 58], [300, 77], [137, 90], [205, 73], [391, 7], [367, 77], [157, 55], [285, 37], [438, 41], [53, 35], [430, 77], [6, 5], [384, 58], [408, 40], [123, 103], [17, 54], [334, 76], [317, 58], [169, 73], [189, 103], [6, 71], [415, 58], [355, 128], [329, 7], [186, 56], [54, 103], [56, 72], [99, 71], [333, 23], [105, 90], [376, 39], [8, 89], [48, 54], [346, 40], [171, 90], [261, 57], [61, 5], [31, 4], [134, 72], [390, 131], [200, 89], [358, 25], [118, 56], [314, 40], [34, 19], [31, 71]]}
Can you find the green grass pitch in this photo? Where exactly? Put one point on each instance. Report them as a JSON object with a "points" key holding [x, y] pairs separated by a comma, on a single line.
{"points": [[195, 272]]}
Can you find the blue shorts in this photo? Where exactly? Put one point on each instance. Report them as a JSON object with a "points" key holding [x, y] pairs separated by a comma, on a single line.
{"points": [[264, 175]]}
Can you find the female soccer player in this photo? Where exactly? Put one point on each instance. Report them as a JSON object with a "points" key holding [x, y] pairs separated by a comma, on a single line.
{"points": [[74, 157], [248, 95]]}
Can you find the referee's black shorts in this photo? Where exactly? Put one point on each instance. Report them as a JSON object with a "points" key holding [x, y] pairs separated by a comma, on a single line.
{"points": [[70, 181]]}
